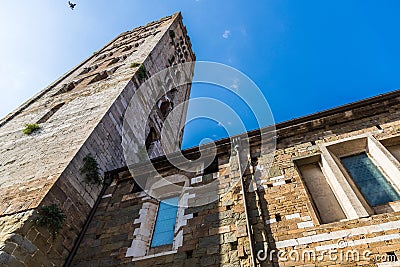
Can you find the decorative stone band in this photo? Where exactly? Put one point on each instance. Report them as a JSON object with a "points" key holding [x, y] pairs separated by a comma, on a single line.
{"points": [[342, 234]]}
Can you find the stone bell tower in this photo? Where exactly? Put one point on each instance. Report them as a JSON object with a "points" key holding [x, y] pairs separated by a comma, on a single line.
{"points": [[80, 115]]}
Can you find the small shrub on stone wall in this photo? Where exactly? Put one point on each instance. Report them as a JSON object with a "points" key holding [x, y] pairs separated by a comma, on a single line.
{"points": [[51, 217], [134, 65], [141, 72], [30, 128], [91, 170]]}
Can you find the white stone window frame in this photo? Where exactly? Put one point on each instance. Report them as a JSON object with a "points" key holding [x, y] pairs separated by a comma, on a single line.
{"points": [[164, 188], [350, 199]]}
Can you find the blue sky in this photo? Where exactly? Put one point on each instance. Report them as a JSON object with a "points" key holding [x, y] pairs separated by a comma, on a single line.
{"points": [[305, 56]]}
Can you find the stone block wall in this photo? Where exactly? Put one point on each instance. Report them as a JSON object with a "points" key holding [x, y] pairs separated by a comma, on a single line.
{"points": [[291, 220], [212, 235], [285, 225], [44, 167]]}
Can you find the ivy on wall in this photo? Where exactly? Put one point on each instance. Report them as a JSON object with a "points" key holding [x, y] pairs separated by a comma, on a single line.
{"points": [[90, 170], [51, 217]]}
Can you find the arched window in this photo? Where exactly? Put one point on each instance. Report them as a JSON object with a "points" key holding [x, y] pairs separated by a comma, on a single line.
{"points": [[165, 109]]}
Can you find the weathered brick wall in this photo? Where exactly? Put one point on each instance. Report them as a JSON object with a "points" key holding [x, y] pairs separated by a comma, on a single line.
{"points": [[281, 211]]}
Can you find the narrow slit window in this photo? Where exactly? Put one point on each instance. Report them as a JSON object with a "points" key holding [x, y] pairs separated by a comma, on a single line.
{"points": [[100, 76], [48, 115], [370, 180], [164, 228], [66, 88]]}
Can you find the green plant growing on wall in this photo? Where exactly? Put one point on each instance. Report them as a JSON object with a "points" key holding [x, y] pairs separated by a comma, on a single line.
{"points": [[51, 217], [91, 170], [134, 65], [141, 72], [30, 128]]}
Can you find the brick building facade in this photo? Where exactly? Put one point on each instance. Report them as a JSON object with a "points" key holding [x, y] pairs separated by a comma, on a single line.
{"points": [[305, 207]]}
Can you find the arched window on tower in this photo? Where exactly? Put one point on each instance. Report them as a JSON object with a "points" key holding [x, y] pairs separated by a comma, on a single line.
{"points": [[172, 94], [165, 108]]}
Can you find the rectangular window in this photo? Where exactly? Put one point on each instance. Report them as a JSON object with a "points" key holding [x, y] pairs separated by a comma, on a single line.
{"points": [[163, 233], [369, 180], [47, 116], [324, 200]]}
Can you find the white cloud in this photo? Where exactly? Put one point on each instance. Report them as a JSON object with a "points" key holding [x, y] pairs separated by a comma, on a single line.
{"points": [[235, 85], [226, 34]]}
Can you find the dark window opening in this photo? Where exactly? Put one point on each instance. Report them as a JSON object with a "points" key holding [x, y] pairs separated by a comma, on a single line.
{"points": [[165, 109], [126, 48], [234, 245], [103, 56], [113, 61], [173, 93], [89, 69], [66, 88], [189, 254], [47, 116], [99, 77], [212, 168], [136, 188]]}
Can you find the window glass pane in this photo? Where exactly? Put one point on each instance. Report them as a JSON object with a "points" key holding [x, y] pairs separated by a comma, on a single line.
{"points": [[370, 180], [165, 224]]}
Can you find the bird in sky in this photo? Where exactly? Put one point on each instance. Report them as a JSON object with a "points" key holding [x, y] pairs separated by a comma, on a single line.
{"points": [[71, 5]]}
